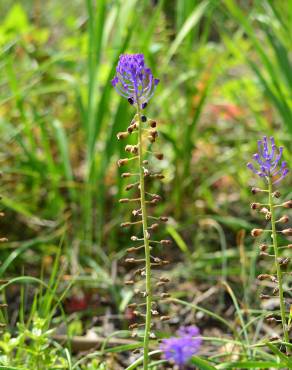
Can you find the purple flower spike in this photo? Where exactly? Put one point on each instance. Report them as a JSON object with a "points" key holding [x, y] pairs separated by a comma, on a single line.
{"points": [[134, 80], [180, 349], [268, 160]]}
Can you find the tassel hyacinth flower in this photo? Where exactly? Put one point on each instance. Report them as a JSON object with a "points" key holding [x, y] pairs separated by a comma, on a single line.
{"points": [[271, 167], [180, 349], [135, 82]]}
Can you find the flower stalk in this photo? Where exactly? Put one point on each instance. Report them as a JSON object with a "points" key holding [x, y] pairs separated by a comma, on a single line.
{"points": [[277, 264], [134, 81], [146, 242], [271, 167]]}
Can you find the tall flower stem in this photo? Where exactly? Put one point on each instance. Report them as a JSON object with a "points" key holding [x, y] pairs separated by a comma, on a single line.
{"points": [[278, 267], [146, 242]]}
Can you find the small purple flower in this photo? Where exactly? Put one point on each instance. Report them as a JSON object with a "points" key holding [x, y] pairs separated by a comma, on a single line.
{"points": [[134, 80], [180, 349], [268, 160]]}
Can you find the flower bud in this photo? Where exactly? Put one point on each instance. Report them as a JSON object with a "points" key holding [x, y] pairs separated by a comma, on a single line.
{"points": [[255, 190], [165, 242], [287, 232], [287, 204], [124, 200], [122, 135], [284, 219], [263, 247], [122, 162], [256, 232], [159, 156]]}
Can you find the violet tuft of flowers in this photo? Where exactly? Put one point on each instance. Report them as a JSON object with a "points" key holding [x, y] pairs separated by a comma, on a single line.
{"points": [[180, 349], [269, 162], [134, 80]]}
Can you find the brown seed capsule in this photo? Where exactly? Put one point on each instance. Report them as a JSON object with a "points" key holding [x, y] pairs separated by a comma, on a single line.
{"points": [[159, 156], [271, 320], [133, 326], [125, 174], [129, 282], [145, 162], [122, 162], [263, 247], [124, 200], [164, 318], [122, 135], [165, 242], [125, 224], [268, 216], [129, 187], [132, 249], [154, 227], [163, 219], [276, 194], [283, 261], [256, 232], [275, 291], [255, 190], [128, 148], [264, 276], [164, 279], [264, 296], [136, 351], [284, 219], [152, 123], [255, 205], [287, 204], [165, 295], [287, 232], [151, 139]]}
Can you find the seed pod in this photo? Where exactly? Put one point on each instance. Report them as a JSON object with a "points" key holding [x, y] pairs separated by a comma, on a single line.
{"points": [[164, 318], [152, 123], [255, 205], [163, 219], [276, 194], [125, 224], [264, 296], [283, 261], [133, 326], [125, 174]]}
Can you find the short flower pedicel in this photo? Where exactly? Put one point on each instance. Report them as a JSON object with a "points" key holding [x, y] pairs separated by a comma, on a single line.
{"points": [[273, 170], [134, 81]]}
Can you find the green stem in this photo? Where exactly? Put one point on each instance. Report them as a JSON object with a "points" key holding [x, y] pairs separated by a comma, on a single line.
{"points": [[146, 244], [278, 267]]}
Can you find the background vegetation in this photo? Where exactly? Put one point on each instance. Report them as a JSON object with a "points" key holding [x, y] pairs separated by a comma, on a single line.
{"points": [[225, 71]]}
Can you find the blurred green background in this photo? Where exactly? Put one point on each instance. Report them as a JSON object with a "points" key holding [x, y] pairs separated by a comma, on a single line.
{"points": [[225, 71]]}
